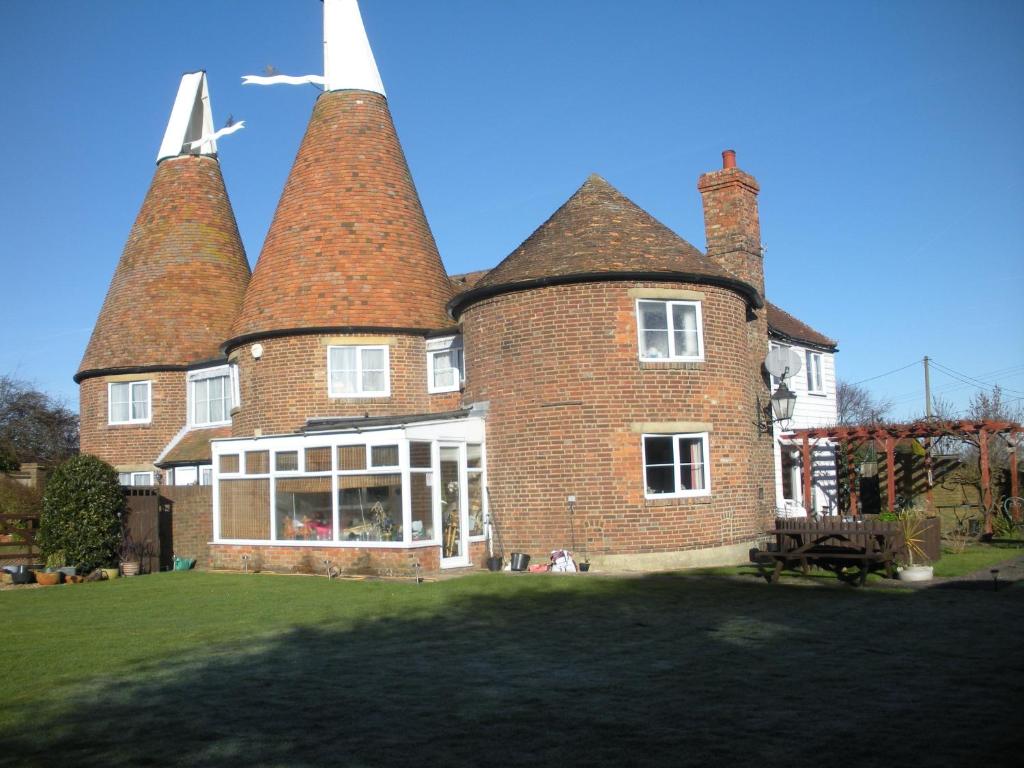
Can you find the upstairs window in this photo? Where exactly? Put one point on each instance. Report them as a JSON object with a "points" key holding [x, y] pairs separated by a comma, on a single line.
{"points": [[815, 382], [210, 396], [129, 402], [135, 478], [358, 371], [445, 370], [676, 465], [670, 330]]}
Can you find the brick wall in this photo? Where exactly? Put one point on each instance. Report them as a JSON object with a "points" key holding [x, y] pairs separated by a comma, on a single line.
{"points": [[288, 384], [364, 560], [560, 368], [731, 223], [192, 521], [132, 445]]}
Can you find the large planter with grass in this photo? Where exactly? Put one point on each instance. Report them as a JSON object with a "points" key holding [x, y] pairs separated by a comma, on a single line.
{"points": [[916, 573]]}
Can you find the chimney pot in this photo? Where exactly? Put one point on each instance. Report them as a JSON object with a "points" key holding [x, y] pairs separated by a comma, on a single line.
{"points": [[729, 158]]}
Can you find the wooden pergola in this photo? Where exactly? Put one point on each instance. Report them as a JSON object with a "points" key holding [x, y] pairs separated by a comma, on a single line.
{"points": [[888, 436]]}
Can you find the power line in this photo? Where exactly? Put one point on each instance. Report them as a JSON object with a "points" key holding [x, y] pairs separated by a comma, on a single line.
{"points": [[971, 380], [888, 373]]}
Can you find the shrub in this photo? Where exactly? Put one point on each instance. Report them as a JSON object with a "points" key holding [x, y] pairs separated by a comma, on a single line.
{"points": [[81, 513]]}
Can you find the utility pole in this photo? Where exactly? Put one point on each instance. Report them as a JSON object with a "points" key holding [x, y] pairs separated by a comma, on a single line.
{"points": [[927, 391], [928, 443]]}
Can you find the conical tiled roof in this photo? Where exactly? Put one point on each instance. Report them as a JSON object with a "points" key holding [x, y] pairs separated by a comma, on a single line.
{"points": [[181, 278], [600, 234], [349, 246]]}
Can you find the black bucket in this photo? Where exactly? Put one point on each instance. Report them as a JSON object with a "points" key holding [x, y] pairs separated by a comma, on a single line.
{"points": [[584, 567], [495, 563], [520, 561]]}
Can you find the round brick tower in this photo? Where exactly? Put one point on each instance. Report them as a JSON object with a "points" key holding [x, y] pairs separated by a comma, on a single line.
{"points": [[176, 291], [349, 284], [615, 358]]}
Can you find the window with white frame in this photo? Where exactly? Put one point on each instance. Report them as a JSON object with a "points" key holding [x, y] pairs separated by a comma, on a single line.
{"points": [[815, 382], [676, 465], [359, 371], [445, 371], [135, 478], [129, 402], [210, 396], [670, 330]]}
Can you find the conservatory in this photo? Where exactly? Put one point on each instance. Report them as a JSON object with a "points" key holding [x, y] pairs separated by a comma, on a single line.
{"points": [[358, 483]]}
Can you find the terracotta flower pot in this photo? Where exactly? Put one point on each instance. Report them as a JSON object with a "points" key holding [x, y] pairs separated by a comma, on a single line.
{"points": [[130, 568], [48, 579]]}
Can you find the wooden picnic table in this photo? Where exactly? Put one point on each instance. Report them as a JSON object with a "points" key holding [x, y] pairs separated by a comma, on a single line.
{"points": [[832, 544]]}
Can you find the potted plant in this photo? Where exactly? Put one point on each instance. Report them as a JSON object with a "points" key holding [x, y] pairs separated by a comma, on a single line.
{"points": [[47, 578], [912, 524], [57, 561], [129, 554]]}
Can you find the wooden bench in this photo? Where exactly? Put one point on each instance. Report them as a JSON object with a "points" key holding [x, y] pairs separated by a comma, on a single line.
{"points": [[832, 544]]}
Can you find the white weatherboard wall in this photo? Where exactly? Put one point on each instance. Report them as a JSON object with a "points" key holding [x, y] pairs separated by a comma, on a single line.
{"points": [[812, 410]]}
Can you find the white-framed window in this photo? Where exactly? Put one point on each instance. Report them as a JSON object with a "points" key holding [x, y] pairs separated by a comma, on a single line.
{"points": [[129, 402], [210, 396], [815, 382], [670, 330], [445, 369], [676, 465], [359, 371], [135, 478]]}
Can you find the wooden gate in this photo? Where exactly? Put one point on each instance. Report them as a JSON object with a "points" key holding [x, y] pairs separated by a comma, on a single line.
{"points": [[18, 540], [148, 520]]}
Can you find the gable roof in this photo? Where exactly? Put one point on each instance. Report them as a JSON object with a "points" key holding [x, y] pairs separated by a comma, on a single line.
{"points": [[600, 234], [783, 325]]}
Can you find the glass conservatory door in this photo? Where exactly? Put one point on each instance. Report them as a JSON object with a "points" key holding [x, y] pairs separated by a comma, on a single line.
{"points": [[454, 517]]}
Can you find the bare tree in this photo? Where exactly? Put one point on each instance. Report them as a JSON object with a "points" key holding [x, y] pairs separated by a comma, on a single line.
{"points": [[856, 405], [33, 425]]}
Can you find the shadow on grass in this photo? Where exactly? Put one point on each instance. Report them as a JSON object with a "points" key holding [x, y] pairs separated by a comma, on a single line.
{"points": [[666, 670]]}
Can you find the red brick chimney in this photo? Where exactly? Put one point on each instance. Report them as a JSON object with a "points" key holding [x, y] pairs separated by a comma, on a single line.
{"points": [[731, 223]]}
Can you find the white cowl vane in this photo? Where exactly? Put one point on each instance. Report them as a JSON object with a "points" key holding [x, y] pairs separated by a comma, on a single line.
{"points": [[348, 60], [191, 119], [190, 127]]}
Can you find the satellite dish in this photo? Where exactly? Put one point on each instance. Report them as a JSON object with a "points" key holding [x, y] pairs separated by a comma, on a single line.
{"points": [[783, 362]]}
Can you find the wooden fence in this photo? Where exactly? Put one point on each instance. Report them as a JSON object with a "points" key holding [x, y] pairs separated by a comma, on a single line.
{"points": [[18, 540]]}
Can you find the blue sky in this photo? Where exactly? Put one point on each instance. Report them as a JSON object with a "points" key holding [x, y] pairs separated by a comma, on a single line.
{"points": [[886, 137]]}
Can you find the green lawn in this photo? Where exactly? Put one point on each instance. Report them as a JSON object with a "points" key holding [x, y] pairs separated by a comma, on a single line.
{"points": [[502, 669], [976, 557]]}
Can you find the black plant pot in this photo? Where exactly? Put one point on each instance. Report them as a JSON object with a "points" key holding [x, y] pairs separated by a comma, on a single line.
{"points": [[22, 576], [584, 567], [495, 563], [520, 562]]}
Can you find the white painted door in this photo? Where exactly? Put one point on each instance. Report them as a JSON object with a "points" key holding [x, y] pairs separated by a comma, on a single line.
{"points": [[453, 505]]}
